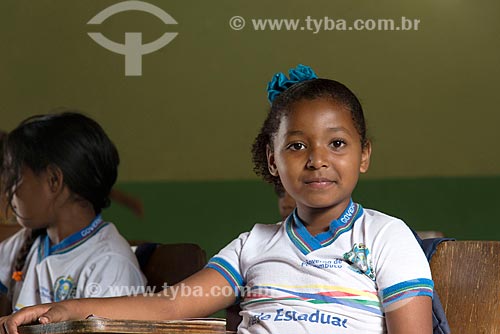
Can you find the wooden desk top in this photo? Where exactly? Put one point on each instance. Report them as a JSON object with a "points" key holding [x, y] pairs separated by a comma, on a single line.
{"points": [[100, 325]]}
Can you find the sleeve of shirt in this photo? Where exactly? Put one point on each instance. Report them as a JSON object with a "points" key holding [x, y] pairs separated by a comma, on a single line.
{"points": [[8, 251], [402, 270], [227, 263], [112, 275]]}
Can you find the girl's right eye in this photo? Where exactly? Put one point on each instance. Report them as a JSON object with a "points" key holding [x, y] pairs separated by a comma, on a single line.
{"points": [[296, 146]]}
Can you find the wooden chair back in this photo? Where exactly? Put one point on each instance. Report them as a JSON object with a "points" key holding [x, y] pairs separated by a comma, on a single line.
{"points": [[169, 263], [466, 276]]}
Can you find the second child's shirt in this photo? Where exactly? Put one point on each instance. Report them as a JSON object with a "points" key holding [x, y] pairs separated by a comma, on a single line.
{"points": [[93, 262]]}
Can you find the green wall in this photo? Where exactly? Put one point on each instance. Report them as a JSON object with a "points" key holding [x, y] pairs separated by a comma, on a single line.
{"points": [[213, 213], [430, 96]]}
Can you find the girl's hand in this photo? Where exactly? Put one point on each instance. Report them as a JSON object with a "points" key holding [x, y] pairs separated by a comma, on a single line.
{"points": [[197, 296], [43, 314]]}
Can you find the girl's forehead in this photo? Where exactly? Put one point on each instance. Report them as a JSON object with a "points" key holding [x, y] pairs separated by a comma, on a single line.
{"points": [[319, 101], [319, 109]]}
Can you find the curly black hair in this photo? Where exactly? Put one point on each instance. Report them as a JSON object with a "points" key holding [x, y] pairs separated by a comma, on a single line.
{"points": [[281, 106]]}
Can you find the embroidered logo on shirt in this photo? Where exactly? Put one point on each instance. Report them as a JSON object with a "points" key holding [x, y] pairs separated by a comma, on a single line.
{"points": [[64, 288], [360, 260]]}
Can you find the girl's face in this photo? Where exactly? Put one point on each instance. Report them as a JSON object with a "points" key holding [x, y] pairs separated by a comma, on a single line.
{"points": [[318, 156], [32, 199]]}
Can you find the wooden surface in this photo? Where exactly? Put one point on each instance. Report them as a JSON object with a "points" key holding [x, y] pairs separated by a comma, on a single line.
{"points": [[430, 234], [108, 326], [171, 263], [466, 275], [6, 230]]}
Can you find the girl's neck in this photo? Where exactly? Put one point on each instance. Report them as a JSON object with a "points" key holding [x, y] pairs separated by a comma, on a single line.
{"points": [[318, 220], [69, 221]]}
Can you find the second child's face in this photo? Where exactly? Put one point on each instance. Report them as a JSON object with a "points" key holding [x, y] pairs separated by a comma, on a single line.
{"points": [[318, 156], [31, 200]]}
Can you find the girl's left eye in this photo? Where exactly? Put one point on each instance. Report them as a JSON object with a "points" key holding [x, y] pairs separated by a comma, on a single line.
{"points": [[337, 143]]}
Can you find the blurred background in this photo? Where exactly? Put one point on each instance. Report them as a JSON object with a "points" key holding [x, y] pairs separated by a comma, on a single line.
{"points": [[184, 127]]}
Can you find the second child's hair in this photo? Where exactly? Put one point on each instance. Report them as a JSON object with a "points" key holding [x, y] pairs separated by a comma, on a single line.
{"points": [[283, 104], [70, 141]]}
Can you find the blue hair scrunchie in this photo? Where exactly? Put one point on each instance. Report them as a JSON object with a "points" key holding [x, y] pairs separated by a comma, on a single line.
{"points": [[280, 82]]}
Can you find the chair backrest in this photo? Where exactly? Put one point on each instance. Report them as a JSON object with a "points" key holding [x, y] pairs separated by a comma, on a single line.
{"points": [[427, 234], [466, 276], [233, 318], [169, 263], [8, 230]]}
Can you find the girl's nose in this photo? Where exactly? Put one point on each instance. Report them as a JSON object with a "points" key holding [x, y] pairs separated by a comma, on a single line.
{"points": [[317, 158]]}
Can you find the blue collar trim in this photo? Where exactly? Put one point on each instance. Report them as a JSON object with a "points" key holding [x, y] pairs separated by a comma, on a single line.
{"points": [[71, 242], [307, 243]]}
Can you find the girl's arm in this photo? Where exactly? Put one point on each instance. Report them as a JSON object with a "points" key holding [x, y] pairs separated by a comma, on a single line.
{"points": [[197, 296], [410, 316]]}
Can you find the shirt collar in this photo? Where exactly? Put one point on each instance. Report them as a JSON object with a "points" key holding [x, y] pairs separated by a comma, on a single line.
{"points": [[307, 243], [72, 241]]}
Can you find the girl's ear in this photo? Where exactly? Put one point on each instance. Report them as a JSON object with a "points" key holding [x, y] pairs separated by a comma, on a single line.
{"points": [[365, 157], [55, 178], [271, 162]]}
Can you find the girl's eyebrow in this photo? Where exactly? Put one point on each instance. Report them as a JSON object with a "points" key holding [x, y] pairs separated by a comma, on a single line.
{"points": [[334, 129], [339, 129], [294, 132]]}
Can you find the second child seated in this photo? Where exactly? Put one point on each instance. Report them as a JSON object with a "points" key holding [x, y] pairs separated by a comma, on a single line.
{"points": [[57, 176]]}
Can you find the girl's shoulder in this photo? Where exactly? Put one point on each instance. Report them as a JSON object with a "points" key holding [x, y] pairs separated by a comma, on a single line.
{"points": [[14, 241], [376, 216], [258, 233], [266, 229], [9, 248], [376, 221], [109, 239]]}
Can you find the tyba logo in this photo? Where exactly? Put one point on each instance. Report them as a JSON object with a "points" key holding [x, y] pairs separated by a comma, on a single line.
{"points": [[133, 49]]}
